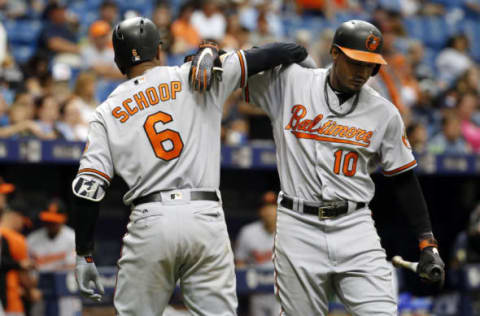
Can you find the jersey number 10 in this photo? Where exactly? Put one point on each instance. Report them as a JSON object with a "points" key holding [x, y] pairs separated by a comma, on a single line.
{"points": [[349, 163], [157, 139]]}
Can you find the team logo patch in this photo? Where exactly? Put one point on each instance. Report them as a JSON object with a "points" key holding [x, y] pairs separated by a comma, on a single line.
{"points": [[88, 188], [135, 56], [372, 42]]}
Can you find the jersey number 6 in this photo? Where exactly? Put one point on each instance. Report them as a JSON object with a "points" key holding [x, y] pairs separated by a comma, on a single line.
{"points": [[158, 139], [349, 163]]}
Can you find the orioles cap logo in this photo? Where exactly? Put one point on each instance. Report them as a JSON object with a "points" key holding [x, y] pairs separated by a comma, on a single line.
{"points": [[372, 42], [135, 55]]}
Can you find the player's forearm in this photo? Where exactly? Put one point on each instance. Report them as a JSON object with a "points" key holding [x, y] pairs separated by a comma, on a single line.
{"points": [[412, 203], [85, 219], [271, 55]]}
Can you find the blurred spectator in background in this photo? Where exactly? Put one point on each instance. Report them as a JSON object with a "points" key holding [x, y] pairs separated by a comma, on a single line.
{"points": [[466, 107], [72, 126], [466, 250], [20, 285], [5, 190], [52, 248], [162, 17], [58, 40], [450, 139], [48, 113], [185, 36], [209, 21], [415, 55], [417, 137], [20, 124], [3, 44], [98, 55], [262, 35], [84, 93], [3, 112], [236, 36], [109, 12], [453, 60], [254, 250]]}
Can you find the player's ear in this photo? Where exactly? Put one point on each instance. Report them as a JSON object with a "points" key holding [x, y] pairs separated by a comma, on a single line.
{"points": [[334, 52]]}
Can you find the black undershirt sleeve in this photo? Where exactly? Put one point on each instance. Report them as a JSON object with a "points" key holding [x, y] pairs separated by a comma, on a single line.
{"points": [[412, 203], [271, 55], [85, 214]]}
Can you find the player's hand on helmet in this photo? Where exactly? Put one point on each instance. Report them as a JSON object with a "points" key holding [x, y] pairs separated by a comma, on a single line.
{"points": [[88, 278], [206, 65], [431, 268]]}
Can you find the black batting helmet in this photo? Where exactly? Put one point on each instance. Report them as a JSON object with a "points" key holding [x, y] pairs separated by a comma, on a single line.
{"points": [[361, 41], [135, 41]]}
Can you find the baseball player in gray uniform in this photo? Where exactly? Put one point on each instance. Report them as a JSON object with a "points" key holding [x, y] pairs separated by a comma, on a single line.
{"points": [[163, 140], [331, 131]]}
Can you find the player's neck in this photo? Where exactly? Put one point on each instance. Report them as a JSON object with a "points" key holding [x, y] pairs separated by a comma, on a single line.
{"points": [[140, 69]]}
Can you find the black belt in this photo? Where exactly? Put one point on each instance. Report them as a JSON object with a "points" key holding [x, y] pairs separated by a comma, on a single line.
{"points": [[194, 196], [325, 210]]}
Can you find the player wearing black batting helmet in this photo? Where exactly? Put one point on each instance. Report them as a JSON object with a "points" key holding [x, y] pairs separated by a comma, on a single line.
{"points": [[361, 41], [135, 41]]}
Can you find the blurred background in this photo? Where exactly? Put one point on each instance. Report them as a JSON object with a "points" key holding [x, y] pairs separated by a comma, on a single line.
{"points": [[56, 66]]}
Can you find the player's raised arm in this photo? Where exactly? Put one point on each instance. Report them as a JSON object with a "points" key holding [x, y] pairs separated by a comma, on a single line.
{"points": [[207, 62]]}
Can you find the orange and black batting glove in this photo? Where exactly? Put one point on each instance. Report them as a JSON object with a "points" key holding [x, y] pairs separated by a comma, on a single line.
{"points": [[206, 65], [431, 268]]}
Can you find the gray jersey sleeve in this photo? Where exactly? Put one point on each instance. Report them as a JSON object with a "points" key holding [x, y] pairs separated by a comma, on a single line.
{"points": [[266, 90], [234, 75], [395, 151], [97, 159]]}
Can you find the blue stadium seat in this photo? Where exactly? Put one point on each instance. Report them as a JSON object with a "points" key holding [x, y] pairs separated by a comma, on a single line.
{"points": [[23, 31], [435, 32], [22, 53], [472, 29]]}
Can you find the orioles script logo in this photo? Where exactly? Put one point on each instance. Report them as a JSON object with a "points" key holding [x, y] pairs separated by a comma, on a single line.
{"points": [[328, 131]]}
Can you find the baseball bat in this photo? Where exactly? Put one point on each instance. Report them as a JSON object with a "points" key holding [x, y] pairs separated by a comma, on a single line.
{"points": [[434, 273]]}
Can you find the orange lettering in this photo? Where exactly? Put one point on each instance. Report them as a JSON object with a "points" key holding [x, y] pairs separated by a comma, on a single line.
{"points": [[141, 100], [339, 130], [360, 133], [367, 137], [127, 107], [118, 113], [316, 120], [152, 95], [304, 125], [176, 87], [299, 111], [351, 132], [330, 128], [164, 92], [324, 128]]}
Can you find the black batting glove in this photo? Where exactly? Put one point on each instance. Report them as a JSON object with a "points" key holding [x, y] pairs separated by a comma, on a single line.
{"points": [[431, 268], [205, 67]]}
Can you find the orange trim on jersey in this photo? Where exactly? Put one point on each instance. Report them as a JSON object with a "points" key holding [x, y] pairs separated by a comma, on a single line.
{"points": [[242, 66], [327, 139], [96, 172], [247, 94], [394, 171]]}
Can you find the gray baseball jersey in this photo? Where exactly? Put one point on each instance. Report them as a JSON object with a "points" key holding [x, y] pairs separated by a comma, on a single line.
{"points": [[321, 155], [161, 137], [326, 152], [157, 135]]}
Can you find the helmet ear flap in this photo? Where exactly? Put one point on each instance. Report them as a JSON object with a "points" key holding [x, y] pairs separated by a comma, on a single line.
{"points": [[376, 69]]}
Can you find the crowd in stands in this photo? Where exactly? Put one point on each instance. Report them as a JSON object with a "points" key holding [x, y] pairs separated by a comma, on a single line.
{"points": [[56, 59]]}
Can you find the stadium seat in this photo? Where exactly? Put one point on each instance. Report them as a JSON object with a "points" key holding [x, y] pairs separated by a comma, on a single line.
{"points": [[22, 52], [23, 31]]}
